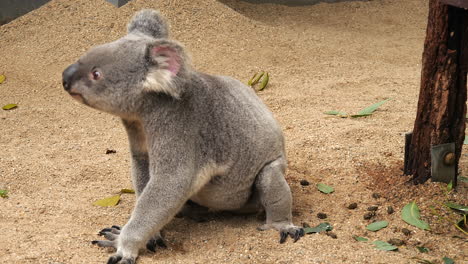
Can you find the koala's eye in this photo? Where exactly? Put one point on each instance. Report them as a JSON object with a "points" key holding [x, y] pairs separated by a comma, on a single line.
{"points": [[96, 75]]}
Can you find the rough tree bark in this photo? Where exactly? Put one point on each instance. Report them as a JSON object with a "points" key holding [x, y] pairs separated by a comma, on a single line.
{"points": [[442, 99]]}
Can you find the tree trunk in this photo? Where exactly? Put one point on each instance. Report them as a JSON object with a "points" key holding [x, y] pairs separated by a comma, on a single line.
{"points": [[442, 98]]}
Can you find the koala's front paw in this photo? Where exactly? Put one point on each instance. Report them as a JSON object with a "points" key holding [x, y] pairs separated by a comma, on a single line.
{"points": [[111, 234]]}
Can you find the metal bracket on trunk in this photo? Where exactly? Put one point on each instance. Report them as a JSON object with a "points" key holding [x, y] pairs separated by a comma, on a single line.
{"points": [[443, 163]]}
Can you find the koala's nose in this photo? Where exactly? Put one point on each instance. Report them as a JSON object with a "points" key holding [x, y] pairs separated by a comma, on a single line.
{"points": [[67, 76]]}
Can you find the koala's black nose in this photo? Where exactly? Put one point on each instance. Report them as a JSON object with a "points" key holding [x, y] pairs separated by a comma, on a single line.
{"points": [[67, 76]]}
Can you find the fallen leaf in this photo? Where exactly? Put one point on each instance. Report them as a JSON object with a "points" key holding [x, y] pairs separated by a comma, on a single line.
{"points": [[127, 191], [254, 80], [360, 239], [410, 214], [325, 188], [463, 179], [4, 193], [448, 260], [382, 245], [449, 186], [376, 226], [109, 201], [264, 82], [9, 106], [370, 109], [320, 228], [2, 78], [337, 113], [423, 261], [457, 207], [423, 249]]}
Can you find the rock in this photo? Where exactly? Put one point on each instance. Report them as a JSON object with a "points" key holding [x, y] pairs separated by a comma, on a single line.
{"points": [[304, 183], [352, 206], [369, 215], [406, 231], [390, 210], [375, 195], [396, 242], [372, 208]]}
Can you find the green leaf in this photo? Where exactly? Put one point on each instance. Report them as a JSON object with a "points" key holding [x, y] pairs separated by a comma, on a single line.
{"points": [[370, 109], [410, 214], [264, 82], [2, 78], [127, 191], [423, 261], [325, 188], [337, 113], [9, 106], [463, 179], [449, 186], [4, 193], [255, 78], [466, 140], [360, 239], [109, 201], [457, 207], [376, 226], [448, 260], [320, 228], [382, 245], [423, 249]]}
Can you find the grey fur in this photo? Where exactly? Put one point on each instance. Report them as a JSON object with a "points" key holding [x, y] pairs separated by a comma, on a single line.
{"points": [[192, 136], [149, 22]]}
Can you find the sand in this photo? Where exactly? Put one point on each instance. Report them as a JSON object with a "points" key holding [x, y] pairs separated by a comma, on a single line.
{"points": [[342, 56]]}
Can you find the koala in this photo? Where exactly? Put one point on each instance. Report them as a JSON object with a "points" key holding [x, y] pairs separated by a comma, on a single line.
{"points": [[194, 138]]}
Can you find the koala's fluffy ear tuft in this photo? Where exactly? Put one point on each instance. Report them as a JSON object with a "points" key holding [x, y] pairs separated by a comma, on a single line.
{"points": [[150, 23], [168, 66]]}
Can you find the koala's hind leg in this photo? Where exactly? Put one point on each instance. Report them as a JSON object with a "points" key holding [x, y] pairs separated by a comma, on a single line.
{"points": [[275, 196]]}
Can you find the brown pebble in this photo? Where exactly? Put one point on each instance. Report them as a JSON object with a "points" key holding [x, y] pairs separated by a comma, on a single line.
{"points": [[305, 225], [372, 208], [352, 206], [396, 242], [406, 231], [332, 235], [304, 183], [375, 195], [322, 215], [369, 215], [390, 210]]}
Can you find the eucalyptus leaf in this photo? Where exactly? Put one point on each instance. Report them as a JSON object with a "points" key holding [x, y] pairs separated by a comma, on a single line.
{"points": [[410, 214], [376, 226], [382, 245], [449, 186], [264, 82], [360, 239], [337, 113], [254, 80], [127, 191], [4, 193], [448, 260], [423, 261], [320, 228], [463, 179], [423, 249], [9, 106], [325, 188], [465, 141], [370, 109], [2, 78], [109, 201], [457, 207]]}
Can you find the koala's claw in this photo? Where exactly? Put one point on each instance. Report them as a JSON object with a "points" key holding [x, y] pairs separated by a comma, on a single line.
{"points": [[294, 234], [117, 259], [153, 242]]}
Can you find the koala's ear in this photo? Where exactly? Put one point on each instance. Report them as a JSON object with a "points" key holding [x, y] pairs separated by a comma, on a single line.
{"points": [[150, 23], [168, 67]]}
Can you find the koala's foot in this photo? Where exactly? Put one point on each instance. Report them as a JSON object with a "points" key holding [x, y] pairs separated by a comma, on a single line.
{"points": [[195, 212], [275, 196], [285, 229], [112, 233]]}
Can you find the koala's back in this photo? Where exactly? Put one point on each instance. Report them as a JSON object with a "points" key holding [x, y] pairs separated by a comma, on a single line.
{"points": [[238, 131]]}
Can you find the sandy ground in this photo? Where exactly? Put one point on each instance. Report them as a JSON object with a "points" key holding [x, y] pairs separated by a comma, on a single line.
{"points": [[342, 56]]}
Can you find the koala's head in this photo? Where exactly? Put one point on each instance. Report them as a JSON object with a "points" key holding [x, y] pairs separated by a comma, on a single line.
{"points": [[115, 77]]}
